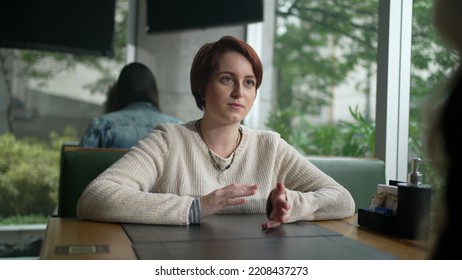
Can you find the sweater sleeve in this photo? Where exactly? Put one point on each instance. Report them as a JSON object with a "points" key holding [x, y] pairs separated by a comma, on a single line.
{"points": [[124, 192], [312, 194]]}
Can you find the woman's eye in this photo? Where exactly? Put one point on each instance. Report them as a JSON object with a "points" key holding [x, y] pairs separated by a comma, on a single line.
{"points": [[227, 79], [250, 83]]}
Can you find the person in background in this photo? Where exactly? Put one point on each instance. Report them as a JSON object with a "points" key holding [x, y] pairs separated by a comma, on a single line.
{"points": [[109, 104], [443, 139], [131, 111], [183, 173]]}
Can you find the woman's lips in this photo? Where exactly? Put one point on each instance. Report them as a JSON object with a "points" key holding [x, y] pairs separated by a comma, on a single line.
{"points": [[236, 106]]}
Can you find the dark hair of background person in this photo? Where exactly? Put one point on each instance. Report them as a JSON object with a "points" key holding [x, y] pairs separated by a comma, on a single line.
{"points": [[136, 83], [206, 59], [109, 104]]}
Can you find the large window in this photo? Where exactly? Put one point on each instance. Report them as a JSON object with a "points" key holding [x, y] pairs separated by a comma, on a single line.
{"points": [[325, 58], [336, 60], [431, 63], [47, 98]]}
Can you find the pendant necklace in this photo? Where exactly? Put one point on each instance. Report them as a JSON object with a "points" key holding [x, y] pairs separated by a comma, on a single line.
{"points": [[215, 163]]}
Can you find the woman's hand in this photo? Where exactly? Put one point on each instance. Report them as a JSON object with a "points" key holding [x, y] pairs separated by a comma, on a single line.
{"points": [[279, 208], [233, 194]]}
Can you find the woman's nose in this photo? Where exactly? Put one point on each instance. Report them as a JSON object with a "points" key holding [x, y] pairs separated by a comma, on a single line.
{"points": [[237, 91]]}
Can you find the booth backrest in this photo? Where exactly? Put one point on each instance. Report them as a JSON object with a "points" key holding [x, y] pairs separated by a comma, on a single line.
{"points": [[79, 166], [359, 175]]}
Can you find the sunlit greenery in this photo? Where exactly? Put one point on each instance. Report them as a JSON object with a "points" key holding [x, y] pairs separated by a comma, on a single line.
{"points": [[24, 219], [344, 138], [318, 44], [29, 174]]}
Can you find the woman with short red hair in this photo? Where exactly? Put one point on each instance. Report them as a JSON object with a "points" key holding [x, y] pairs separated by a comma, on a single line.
{"points": [[181, 174]]}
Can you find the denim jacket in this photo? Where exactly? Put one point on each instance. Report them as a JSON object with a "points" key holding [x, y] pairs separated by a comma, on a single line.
{"points": [[124, 128]]}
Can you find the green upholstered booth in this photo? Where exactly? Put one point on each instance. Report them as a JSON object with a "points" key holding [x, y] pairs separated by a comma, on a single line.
{"points": [[359, 175], [79, 166]]}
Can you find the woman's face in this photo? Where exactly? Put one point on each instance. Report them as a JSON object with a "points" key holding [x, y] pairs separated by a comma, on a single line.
{"points": [[231, 90]]}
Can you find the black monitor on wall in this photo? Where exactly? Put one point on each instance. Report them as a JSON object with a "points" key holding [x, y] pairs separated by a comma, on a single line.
{"points": [[70, 26], [178, 15]]}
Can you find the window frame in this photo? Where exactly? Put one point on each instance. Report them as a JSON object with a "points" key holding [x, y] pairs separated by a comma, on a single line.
{"points": [[393, 86]]}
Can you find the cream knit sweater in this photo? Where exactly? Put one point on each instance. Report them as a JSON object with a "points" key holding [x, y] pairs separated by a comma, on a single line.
{"points": [[157, 180]]}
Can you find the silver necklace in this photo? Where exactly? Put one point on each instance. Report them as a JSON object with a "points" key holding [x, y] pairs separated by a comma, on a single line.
{"points": [[215, 163]]}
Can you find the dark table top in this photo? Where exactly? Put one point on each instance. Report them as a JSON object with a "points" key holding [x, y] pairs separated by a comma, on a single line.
{"points": [[241, 237]]}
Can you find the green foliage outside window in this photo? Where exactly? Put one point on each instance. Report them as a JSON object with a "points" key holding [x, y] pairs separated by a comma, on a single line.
{"points": [[356, 138], [318, 46], [29, 175]]}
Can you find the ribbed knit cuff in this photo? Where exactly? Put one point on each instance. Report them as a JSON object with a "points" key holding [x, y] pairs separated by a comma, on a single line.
{"points": [[195, 212]]}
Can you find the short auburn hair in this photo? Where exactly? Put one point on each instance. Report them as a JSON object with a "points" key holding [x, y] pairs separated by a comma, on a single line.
{"points": [[206, 61]]}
